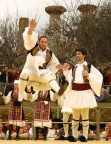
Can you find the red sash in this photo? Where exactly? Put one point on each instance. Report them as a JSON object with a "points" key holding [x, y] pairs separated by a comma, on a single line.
{"points": [[80, 87]]}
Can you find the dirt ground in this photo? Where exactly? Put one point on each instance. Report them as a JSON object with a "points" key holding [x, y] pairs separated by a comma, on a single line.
{"points": [[49, 142]]}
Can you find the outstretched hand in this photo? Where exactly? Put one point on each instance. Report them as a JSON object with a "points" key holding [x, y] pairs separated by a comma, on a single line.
{"points": [[66, 66], [32, 24]]}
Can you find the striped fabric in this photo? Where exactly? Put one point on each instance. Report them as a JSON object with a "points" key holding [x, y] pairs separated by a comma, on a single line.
{"points": [[42, 111], [1, 126], [15, 112]]}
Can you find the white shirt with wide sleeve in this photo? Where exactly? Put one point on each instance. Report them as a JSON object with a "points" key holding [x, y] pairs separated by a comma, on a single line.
{"points": [[95, 78], [30, 41]]}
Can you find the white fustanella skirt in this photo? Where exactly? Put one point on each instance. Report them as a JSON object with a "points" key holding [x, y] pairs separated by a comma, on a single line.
{"points": [[80, 99]]}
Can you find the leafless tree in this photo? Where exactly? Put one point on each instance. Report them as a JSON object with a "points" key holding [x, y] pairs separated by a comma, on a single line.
{"points": [[92, 32], [11, 44]]}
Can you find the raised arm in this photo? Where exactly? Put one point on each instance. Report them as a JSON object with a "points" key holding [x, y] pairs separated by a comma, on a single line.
{"points": [[32, 25], [30, 37]]}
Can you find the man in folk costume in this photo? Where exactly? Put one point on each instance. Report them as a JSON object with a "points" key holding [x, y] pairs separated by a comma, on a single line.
{"points": [[41, 64], [86, 81], [43, 114], [16, 114], [67, 111]]}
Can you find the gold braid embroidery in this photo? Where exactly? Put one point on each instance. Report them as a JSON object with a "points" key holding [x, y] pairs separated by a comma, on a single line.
{"points": [[35, 50], [73, 74], [48, 57], [84, 77]]}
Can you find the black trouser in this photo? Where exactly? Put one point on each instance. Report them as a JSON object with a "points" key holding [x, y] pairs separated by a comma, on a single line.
{"points": [[11, 129]]}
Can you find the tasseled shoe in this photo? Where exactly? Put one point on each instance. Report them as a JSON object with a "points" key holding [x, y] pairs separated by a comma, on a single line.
{"points": [[71, 139], [9, 138], [17, 138], [82, 139]]}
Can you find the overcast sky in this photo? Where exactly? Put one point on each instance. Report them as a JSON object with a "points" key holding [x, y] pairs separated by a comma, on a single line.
{"points": [[32, 8]]}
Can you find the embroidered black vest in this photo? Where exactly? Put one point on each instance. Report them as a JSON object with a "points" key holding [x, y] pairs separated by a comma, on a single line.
{"points": [[34, 51], [88, 67]]}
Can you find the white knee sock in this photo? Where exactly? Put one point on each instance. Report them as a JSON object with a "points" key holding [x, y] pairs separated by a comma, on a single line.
{"points": [[22, 85], [66, 125], [75, 125], [54, 85], [85, 128]]}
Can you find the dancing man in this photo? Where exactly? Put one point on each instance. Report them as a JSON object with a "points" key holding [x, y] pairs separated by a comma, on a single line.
{"points": [[41, 64]]}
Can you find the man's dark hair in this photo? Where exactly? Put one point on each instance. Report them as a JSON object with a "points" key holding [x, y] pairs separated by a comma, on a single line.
{"points": [[82, 50], [42, 37]]}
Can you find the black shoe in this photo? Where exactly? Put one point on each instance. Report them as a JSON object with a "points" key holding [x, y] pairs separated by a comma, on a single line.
{"points": [[71, 139], [106, 138], [82, 139], [65, 138], [17, 138], [9, 138], [63, 88], [45, 138], [36, 138], [60, 138]]}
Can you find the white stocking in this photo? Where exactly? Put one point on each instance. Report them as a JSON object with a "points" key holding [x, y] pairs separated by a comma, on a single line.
{"points": [[66, 125], [85, 121], [22, 83], [54, 85], [75, 122]]}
